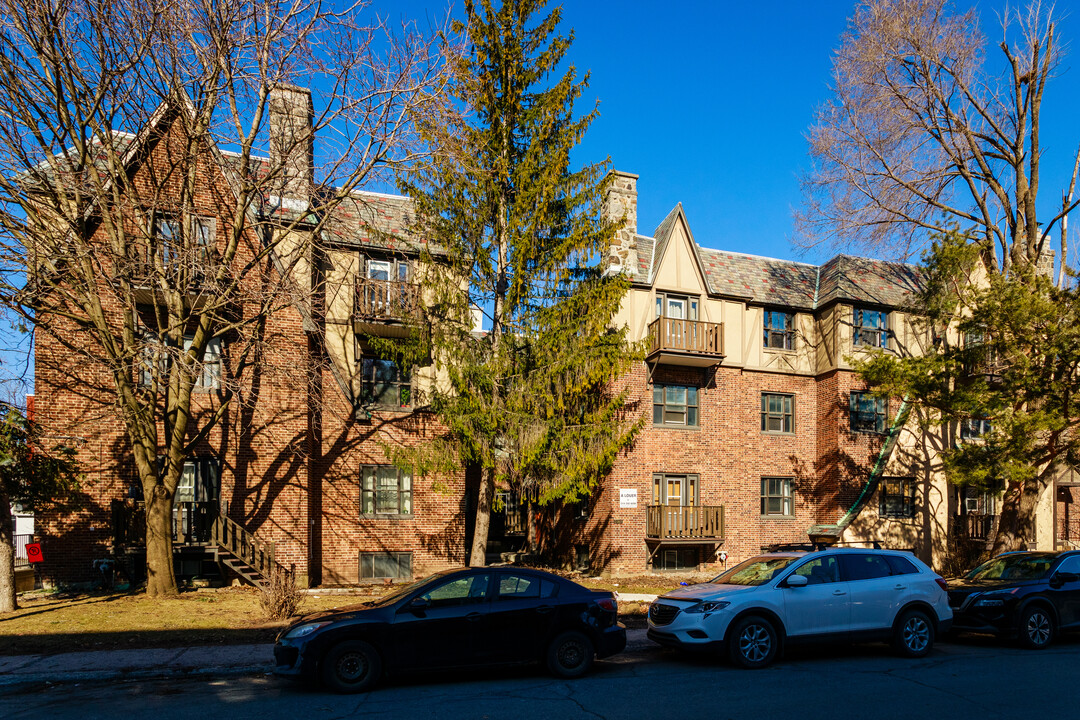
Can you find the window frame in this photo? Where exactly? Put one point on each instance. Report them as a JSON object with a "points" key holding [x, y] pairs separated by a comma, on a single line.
{"points": [[786, 496], [688, 408], [786, 333], [403, 382], [210, 370], [857, 416], [369, 496], [975, 428], [692, 306], [691, 484], [859, 329], [787, 414], [373, 555], [905, 492]]}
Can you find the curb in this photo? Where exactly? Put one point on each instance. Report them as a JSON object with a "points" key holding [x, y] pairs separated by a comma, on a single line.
{"points": [[16, 683]]}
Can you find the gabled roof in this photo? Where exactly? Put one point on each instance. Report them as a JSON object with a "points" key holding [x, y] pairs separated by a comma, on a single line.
{"points": [[785, 283]]}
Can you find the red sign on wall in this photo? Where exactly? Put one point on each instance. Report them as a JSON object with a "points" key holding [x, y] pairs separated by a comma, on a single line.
{"points": [[33, 552]]}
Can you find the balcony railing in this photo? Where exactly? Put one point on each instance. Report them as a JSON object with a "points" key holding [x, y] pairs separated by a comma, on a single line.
{"points": [[694, 337], [675, 522], [384, 300], [974, 527]]}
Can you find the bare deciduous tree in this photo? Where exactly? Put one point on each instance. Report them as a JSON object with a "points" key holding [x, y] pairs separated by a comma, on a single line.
{"points": [[931, 126], [154, 200]]}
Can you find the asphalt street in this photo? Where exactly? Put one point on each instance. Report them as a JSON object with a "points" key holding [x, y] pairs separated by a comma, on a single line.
{"points": [[970, 678]]}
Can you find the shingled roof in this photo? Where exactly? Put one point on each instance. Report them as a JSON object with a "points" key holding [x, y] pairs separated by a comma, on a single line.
{"points": [[769, 281]]}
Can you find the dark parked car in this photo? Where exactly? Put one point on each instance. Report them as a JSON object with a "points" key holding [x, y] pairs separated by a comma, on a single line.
{"points": [[471, 616], [1026, 595]]}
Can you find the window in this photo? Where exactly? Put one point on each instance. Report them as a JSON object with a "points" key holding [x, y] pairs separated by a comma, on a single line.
{"points": [[777, 413], [521, 587], [385, 490], [776, 497], [171, 242], [779, 330], [675, 489], [384, 384], [678, 307], [864, 567], [676, 559], [897, 497], [867, 413], [468, 590], [819, 571], [974, 428], [871, 328], [675, 405], [900, 566], [156, 361], [386, 565], [981, 356]]}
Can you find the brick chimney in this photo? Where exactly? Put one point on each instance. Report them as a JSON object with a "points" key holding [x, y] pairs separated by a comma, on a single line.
{"points": [[619, 204], [292, 140]]}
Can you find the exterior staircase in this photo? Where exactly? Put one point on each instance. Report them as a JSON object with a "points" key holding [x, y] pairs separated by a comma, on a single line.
{"points": [[240, 551]]}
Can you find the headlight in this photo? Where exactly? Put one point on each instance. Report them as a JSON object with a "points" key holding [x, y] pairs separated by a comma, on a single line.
{"points": [[304, 630], [707, 606], [988, 602]]}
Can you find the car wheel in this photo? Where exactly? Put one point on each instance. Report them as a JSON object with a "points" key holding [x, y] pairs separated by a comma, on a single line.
{"points": [[1036, 627], [914, 634], [753, 642], [570, 655], [352, 666]]}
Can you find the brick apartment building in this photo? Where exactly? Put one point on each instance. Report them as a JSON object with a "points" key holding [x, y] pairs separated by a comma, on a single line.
{"points": [[758, 430]]}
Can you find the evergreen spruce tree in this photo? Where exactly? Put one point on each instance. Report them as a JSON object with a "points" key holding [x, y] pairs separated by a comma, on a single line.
{"points": [[531, 402]]}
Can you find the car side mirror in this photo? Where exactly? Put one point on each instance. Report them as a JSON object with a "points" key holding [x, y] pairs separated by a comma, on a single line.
{"points": [[419, 603], [795, 581], [1060, 578]]}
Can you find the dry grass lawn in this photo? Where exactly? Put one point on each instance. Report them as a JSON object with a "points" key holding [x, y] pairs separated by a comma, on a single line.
{"points": [[49, 623]]}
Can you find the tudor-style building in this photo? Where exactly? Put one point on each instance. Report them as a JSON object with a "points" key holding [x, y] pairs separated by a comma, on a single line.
{"points": [[757, 430]]}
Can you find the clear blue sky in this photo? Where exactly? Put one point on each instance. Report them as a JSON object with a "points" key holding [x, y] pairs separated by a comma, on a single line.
{"points": [[709, 103]]}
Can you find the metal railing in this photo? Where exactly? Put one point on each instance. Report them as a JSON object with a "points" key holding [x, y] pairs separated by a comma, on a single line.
{"points": [[687, 336], [20, 542], [684, 521], [974, 527]]}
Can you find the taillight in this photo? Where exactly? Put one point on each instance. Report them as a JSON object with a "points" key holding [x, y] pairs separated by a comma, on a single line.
{"points": [[609, 604], [942, 584]]}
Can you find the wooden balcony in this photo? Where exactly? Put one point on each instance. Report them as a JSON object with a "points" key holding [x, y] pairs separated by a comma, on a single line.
{"points": [[703, 523], [383, 303], [692, 343]]}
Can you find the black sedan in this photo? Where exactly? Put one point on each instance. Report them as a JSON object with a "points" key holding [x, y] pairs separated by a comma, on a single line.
{"points": [[1026, 595], [471, 616]]}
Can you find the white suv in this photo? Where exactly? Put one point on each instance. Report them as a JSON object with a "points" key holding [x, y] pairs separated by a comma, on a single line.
{"points": [[777, 599]]}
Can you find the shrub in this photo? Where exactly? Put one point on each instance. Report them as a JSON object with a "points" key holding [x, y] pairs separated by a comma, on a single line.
{"points": [[279, 596]]}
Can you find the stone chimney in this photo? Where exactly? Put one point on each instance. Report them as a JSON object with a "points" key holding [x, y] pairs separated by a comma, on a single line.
{"points": [[292, 140], [619, 204]]}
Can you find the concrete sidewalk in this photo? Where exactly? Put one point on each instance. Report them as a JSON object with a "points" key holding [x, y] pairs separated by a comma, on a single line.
{"points": [[21, 670]]}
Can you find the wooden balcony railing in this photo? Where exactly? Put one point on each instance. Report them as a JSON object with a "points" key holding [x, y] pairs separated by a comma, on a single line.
{"points": [[686, 336], [383, 300], [974, 527], [232, 537], [672, 522]]}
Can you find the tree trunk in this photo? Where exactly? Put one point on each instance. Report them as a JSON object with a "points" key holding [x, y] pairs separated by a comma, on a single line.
{"points": [[530, 526], [160, 572], [478, 556], [1017, 516], [8, 600]]}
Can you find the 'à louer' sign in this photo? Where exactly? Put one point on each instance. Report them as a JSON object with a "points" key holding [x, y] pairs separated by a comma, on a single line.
{"points": [[33, 552]]}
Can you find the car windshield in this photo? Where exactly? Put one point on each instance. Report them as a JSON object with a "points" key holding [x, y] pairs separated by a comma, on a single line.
{"points": [[1013, 567], [755, 571]]}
